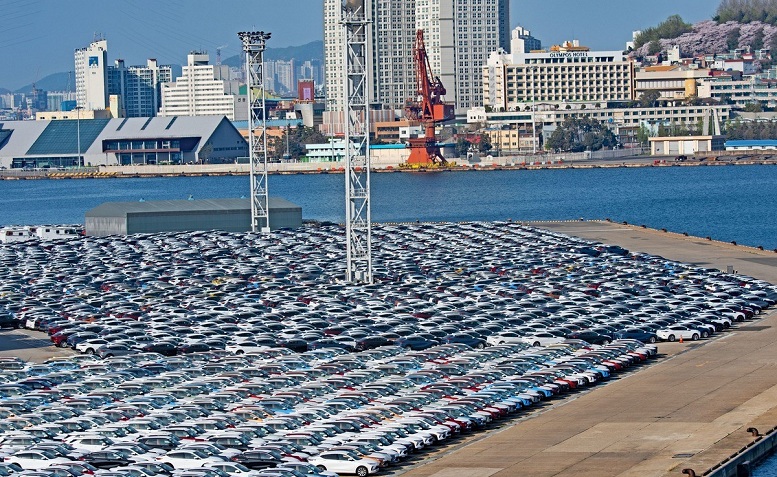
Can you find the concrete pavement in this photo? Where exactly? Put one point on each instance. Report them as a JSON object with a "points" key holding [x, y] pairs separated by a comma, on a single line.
{"points": [[689, 411]]}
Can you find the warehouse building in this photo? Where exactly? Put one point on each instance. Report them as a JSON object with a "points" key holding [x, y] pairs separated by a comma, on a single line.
{"points": [[120, 141], [230, 215]]}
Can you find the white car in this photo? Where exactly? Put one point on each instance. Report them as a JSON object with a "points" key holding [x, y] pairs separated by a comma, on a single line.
{"points": [[90, 346], [242, 348], [189, 459], [89, 442], [507, 337], [234, 468], [344, 462], [675, 332], [543, 338], [36, 459]]}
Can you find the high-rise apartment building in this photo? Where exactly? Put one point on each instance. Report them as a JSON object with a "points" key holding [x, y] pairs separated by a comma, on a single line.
{"points": [[91, 72], [285, 77], [196, 92], [139, 87], [459, 36]]}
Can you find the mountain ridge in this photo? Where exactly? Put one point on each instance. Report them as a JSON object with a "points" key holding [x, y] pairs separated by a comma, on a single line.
{"points": [[308, 51]]}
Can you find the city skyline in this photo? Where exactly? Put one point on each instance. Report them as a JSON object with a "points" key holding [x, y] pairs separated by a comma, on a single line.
{"points": [[39, 36]]}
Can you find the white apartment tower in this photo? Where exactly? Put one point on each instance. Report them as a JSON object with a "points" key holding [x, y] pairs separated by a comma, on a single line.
{"points": [[197, 92], [459, 35], [90, 68]]}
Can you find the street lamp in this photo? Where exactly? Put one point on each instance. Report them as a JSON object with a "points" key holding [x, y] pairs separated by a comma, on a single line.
{"points": [[533, 113], [78, 135]]}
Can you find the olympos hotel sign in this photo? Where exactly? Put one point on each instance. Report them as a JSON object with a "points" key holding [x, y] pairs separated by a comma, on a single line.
{"points": [[568, 54]]}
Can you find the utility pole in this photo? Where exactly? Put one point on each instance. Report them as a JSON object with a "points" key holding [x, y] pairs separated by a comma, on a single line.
{"points": [[78, 135], [254, 46]]}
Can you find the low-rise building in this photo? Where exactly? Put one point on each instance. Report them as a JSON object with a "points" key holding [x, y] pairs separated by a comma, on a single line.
{"points": [[623, 121], [122, 141], [685, 145]]}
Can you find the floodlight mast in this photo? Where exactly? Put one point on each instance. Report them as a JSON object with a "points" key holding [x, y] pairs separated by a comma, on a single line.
{"points": [[254, 46], [358, 226]]}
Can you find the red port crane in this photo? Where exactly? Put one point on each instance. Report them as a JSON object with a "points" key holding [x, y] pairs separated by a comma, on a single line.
{"points": [[427, 108]]}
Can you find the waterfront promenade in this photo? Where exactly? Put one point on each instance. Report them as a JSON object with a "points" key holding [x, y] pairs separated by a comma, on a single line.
{"points": [[690, 410]]}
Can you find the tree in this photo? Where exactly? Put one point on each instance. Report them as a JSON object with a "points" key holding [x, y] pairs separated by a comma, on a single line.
{"points": [[732, 39], [297, 138], [577, 134], [643, 133], [754, 107], [747, 11], [484, 145], [462, 147], [654, 47], [649, 98], [670, 28], [757, 43]]}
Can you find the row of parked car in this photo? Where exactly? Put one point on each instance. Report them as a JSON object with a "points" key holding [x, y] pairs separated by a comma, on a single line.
{"points": [[436, 283], [276, 413], [254, 343]]}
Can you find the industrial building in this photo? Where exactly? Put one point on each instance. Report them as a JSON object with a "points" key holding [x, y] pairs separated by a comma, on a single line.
{"points": [[127, 141], [230, 215]]}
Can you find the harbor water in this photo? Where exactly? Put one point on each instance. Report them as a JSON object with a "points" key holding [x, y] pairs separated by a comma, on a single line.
{"points": [[729, 203]]}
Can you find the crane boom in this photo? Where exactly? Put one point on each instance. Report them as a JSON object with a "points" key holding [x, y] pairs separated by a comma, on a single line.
{"points": [[427, 108]]}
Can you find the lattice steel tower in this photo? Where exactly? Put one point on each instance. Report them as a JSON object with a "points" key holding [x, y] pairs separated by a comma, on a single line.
{"points": [[253, 46], [358, 226]]}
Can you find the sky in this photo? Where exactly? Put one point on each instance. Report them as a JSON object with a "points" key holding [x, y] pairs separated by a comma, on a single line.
{"points": [[38, 37]]}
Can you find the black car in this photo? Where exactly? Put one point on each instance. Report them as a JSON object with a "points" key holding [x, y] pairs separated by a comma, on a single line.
{"points": [[416, 342], [591, 337], [294, 344], [466, 339], [9, 321], [193, 348], [371, 342], [637, 334], [107, 459], [162, 347], [259, 459], [330, 343]]}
